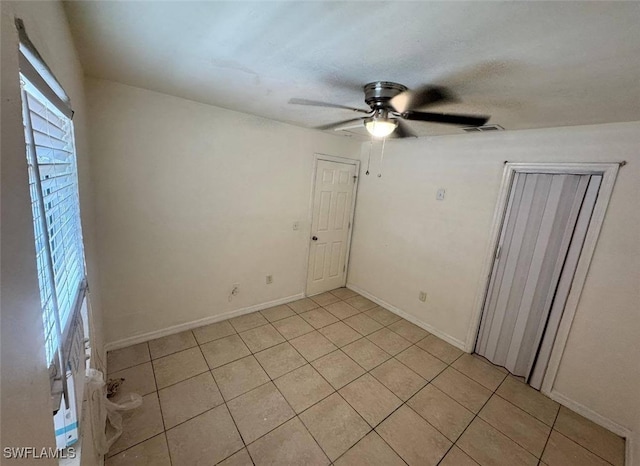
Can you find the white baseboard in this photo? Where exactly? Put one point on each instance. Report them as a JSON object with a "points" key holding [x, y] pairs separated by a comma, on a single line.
{"points": [[440, 334], [607, 423], [135, 339]]}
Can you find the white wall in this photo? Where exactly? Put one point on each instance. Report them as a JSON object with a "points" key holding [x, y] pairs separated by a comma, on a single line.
{"points": [[193, 198], [25, 409], [405, 241]]}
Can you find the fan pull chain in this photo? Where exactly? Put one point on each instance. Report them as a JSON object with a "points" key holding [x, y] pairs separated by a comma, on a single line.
{"points": [[381, 158], [369, 159]]}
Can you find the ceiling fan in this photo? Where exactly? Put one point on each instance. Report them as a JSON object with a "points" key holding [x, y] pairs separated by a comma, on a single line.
{"points": [[390, 103]]}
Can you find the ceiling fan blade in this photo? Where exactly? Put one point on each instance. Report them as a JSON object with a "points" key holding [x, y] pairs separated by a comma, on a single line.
{"points": [[339, 124], [425, 95], [315, 103], [402, 131], [447, 118]]}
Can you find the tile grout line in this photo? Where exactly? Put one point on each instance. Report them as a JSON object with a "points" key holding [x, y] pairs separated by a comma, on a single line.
{"points": [[295, 414], [244, 444], [507, 435], [579, 444], [402, 402], [406, 403], [271, 380], [253, 354], [373, 429], [470, 422], [549, 436], [210, 370], [224, 401], [418, 391], [166, 440], [308, 362], [323, 398], [522, 409], [493, 393], [585, 448], [157, 392], [164, 427], [107, 456], [335, 391], [519, 409], [551, 427], [150, 361]]}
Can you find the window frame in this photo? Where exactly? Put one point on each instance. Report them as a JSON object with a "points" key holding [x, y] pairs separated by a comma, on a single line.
{"points": [[39, 83]]}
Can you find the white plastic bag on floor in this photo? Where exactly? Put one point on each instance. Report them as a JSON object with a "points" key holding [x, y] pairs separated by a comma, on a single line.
{"points": [[102, 410]]}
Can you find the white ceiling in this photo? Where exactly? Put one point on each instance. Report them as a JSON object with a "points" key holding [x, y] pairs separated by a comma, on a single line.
{"points": [[528, 64]]}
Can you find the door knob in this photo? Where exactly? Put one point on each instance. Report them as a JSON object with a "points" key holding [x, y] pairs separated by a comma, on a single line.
{"points": [[314, 238]]}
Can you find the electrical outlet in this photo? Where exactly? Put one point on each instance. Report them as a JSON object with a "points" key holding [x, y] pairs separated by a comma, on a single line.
{"points": [[296, 226], [269, 279], [422, 296], [440, 194]]}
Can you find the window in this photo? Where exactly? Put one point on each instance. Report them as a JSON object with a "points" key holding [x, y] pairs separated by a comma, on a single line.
{"points": [[53, 184], [56, 211]]}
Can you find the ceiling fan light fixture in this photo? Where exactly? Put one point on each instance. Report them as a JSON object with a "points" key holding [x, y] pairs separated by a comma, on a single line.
{"points": [[380, 128]]}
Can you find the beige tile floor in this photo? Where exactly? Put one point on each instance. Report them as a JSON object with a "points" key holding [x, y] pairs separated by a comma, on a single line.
{"points": [[336, 379]]}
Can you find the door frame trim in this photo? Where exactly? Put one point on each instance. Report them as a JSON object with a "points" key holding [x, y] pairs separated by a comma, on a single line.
{"points": [[609, 171], [331, 158]]}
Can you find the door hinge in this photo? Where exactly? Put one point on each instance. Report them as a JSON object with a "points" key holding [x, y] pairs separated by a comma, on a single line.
{"points": [[498, 251], [344, 268], [349, 225]]}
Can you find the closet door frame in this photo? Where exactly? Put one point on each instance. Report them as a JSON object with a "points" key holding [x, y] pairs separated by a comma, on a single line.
{"points": [[609, 172]]}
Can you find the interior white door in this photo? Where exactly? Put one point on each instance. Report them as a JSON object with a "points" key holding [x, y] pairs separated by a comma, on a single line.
{"points": [[539, 229], [330, 226]]}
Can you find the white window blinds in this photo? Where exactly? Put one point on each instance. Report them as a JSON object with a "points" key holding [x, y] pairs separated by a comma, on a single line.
{"points": [[56, 212]]}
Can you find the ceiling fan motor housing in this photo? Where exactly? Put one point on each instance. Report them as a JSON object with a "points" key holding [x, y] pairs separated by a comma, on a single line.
{"points": [[378, 93]]}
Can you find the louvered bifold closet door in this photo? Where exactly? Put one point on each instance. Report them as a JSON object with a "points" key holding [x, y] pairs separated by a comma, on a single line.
{"points": [[539, 225]]}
